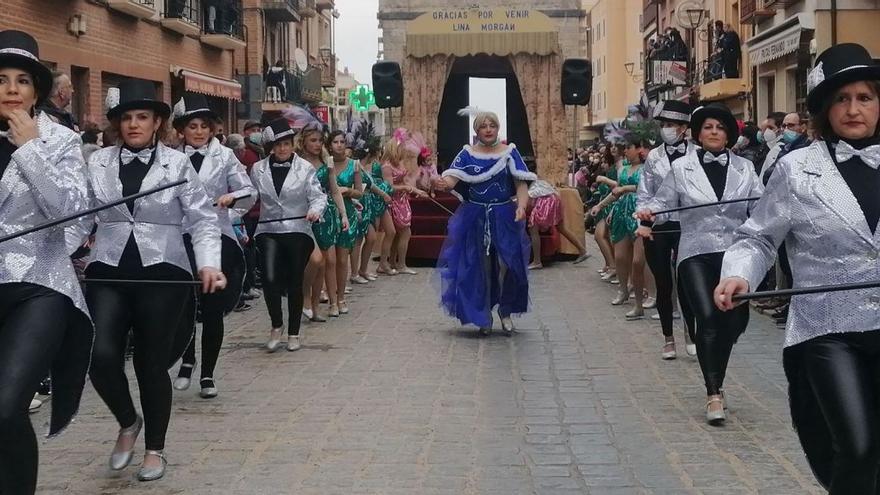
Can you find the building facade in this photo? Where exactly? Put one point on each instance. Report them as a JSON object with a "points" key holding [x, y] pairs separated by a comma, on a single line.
{"points": [[701, 76], [616, 51], [788, 35], [177, 45], [343, 110], [294, 38]]}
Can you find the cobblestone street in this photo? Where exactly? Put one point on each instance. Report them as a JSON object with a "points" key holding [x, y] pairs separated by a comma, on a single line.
{"points": [[395, 398]]}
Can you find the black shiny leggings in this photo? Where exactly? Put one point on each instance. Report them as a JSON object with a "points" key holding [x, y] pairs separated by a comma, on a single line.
{"points": [[717, 331], [841, 370], [153, 314], [283, 259], [661, 254], [213, 307], [31, 332]]}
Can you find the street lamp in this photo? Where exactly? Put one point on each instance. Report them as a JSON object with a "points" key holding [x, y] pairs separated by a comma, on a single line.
{"points": [[326, 54], [695, 17]]}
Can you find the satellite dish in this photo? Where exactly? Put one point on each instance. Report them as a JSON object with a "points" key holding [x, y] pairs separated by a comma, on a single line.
{"points": [[302, 62]]}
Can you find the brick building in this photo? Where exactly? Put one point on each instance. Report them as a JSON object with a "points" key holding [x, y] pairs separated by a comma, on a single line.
{"points": [[173, 43]]}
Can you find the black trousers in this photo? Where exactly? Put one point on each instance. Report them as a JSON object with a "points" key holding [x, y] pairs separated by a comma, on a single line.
{"points": [[152, 313], [283, 259], [840, 378], [250, 254], [31, 332], [661, 254], [213, 307], [717, 331]]}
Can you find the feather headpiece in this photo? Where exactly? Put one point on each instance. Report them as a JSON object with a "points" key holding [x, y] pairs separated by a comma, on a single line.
{"points": [[301, 118], [361, 137]]}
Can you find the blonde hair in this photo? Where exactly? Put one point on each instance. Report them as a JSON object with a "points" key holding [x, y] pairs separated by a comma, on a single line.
{"points": [[299, 144], [481, 117], [392, 152]]}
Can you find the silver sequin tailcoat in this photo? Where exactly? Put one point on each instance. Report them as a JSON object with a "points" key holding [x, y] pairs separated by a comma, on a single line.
{"points": [[46, 179], [811, 208], [654, 170], [301, 194], [709, 229], [158, 219], [221, 173]]}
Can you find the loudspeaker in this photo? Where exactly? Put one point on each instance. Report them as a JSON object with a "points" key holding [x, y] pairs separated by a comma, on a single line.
{"points": [[577, 81], [387, 84]]}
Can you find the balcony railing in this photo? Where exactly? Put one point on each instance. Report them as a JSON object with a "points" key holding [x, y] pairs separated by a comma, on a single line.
{"points": [[283, 10], [754, 11], [183, 16], [308, 8], [779, 3], [223, 27], [293, 86], [142, 9], [328, 73]]}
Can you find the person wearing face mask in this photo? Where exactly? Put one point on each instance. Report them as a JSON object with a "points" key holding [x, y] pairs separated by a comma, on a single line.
{"points": [[661, 251], [143, 240], [483, 262], [44, 320], [229, 187], [251, 154], [794, 136], [706, 175], [768, 136], [822, 201]]}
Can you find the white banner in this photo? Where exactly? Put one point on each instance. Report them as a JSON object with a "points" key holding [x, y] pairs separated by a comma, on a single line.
{"points": [[672, 72]]}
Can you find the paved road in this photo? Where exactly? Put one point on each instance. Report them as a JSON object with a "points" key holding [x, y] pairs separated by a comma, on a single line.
{"points": [[397, 399]]}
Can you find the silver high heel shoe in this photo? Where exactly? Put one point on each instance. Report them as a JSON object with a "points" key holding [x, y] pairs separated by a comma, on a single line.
{"points": [[152, 474], [506, 324], [717, 417], [120, 460]]}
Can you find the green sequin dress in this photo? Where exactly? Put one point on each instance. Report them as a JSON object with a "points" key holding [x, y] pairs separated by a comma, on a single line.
{"points": [[379, 180], [368, 200], [327, 230], [603, 191], [623, 224], [345, 178]]}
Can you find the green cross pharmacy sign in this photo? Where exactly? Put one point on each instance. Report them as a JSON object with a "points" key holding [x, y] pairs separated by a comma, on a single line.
{"points": [[362, 98]]}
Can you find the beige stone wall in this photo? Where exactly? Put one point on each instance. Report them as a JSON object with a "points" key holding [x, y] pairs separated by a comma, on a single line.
{"points": [[394, 31]]}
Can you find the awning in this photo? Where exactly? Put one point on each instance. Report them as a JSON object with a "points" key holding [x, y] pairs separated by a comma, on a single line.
{"points": [[778, 41], [493, 31], [206, 84]]}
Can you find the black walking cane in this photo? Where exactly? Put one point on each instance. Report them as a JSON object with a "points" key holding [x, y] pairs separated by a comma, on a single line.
{"points": [[114, 281], [703, 205], [798, 291], [273, 220], [90, 211], [234, 200]]}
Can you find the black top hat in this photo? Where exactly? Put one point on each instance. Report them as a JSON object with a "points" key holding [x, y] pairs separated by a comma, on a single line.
{"points": [[719, 112], [836, 67], [192, 106], [19, 49], [277, 129], [136, 94], [673, 111]]}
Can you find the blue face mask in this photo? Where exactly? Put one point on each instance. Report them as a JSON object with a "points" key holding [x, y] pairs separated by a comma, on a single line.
{"points": [[789, 136]]}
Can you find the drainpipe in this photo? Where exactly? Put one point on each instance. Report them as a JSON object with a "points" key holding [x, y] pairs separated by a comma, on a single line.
{"points": [[833, 22]]}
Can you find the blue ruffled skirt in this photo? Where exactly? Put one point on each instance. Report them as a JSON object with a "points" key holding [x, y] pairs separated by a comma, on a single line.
{"points": [[469, 278]]}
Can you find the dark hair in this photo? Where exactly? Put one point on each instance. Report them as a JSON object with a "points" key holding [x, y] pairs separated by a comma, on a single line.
{"points": [[329, 141], [777, 118], [89, 137], [181, 125], [719, 23], [822, 125], [750, 132], [637, 141], [116, 129]]}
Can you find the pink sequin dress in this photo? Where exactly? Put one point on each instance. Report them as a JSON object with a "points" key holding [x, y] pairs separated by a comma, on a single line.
{"points": [[427, 174], [546, 213], [401, 212]]}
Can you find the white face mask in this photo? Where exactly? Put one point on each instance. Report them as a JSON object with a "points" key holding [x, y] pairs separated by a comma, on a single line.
{"points": [[670, 135], [769, 136]]}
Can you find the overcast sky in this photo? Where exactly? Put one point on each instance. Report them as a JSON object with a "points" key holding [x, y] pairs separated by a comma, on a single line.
{"points": [[357, 43]]}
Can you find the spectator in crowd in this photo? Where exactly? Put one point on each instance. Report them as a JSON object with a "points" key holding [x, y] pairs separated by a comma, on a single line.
{"points": [[220, 16], [768, 135], [56, 105], [748, 146], [251, 153], [276, 77], [90, 144], [794, 136], [731, 51], [220, 132], [669, 46], [109, 137], [235, 142]]}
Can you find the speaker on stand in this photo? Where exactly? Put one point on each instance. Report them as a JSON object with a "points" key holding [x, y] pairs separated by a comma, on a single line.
{"points": [[388, 87], [577, 87]]}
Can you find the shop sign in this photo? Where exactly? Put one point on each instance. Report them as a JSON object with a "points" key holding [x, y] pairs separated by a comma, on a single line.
{"points": [[323, 113]]}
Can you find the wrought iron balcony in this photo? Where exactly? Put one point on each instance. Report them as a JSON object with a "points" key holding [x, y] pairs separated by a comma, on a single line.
{"points": [[290, 86], [222, 25], [283, 10], [780, 3], [183, 16], [328, 72], [142, 9]]}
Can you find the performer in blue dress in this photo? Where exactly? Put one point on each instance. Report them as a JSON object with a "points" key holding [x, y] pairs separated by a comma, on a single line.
{"points": [[483, 262]]}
